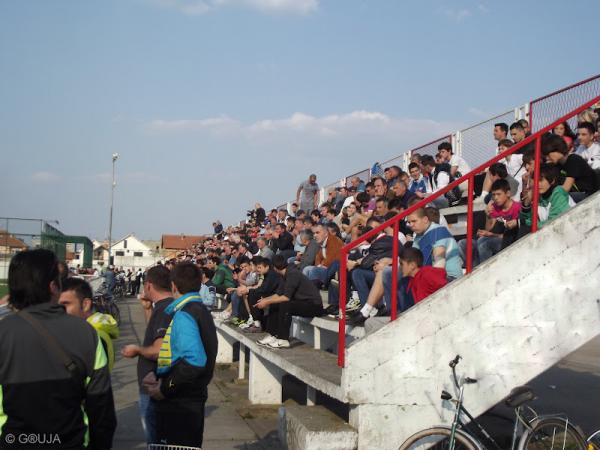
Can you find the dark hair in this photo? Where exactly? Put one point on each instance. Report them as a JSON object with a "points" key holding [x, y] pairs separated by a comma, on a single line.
{"points": [[281, 225], [29, 276], [433, 214], [499, 169], [445, 146], [413, 165], [308, 220], [395, 203], [214, 259], [505, 143], [517, 126], [207, 272], [186, 277], [550, 172], [242, 260], [382, 199], [363, 197], [412, 254], [500, 185], [279, 262], [588, 126], [261, 261], [81, 288], [315, 212], [331, 210], [334, 227], [502, 126], [374, 219], [568, 130], [160, 277], [552, 143], [528, 156], [427, 160]]}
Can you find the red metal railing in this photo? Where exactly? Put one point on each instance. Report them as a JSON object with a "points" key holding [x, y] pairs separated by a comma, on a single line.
{"points": [[395, 222]]}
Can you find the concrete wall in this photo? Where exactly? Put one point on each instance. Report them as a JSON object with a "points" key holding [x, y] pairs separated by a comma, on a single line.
{"points": [[517, 315]]}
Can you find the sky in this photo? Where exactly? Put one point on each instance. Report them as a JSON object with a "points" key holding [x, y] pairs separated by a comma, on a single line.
{"points": [[214, 105]]}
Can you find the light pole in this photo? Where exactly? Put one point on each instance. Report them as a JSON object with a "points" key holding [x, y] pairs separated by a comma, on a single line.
{"points": [[115, 156]]}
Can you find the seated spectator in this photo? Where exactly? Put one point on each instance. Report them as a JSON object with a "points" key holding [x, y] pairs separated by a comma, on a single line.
{"points": [[553, 201], [564, 130], [297, 296], [329, 252], [293, 211], [438, 177], [311, 248], [381, 208], [580, 178], [502, 215], [223, 277], [284, 241], [334, 230], [330, 215], [265, 288], [357, 184], [500, 131], [415, 283], [263, 249], [458, 166], [402, 193], [418, 184], [498, 171], [438, 246], [588, 149], [515, 168], [360, 218], [518, 134], [207, 289]]}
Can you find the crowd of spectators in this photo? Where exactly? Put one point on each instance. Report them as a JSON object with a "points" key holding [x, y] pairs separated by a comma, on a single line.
{"points": [[250, 262]]}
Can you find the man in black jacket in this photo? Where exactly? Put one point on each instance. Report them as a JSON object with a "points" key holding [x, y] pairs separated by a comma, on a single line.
{"points": [[54, 379], [285, 241]]}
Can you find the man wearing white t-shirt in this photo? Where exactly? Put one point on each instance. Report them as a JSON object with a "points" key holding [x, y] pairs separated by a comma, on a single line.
{"points": [[588, 149], [458, 166]]}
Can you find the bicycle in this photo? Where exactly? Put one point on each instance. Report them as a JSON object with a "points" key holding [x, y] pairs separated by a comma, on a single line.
{"points": [[593, 442], [106, 305], [550, 432]]}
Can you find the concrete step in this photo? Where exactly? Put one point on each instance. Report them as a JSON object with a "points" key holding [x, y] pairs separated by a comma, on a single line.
{"points": [[322, 332], [314, 428], [317, 369]]}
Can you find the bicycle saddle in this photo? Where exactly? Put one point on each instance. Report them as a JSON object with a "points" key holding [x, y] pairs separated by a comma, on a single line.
{"points": [[518, 396]]}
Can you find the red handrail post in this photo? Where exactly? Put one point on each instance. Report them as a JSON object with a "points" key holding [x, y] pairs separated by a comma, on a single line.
{"points": [[342, 305], [470, 193], [536, 185], [394, 302]]}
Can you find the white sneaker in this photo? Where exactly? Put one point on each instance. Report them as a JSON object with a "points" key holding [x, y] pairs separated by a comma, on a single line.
{"points": [[222, 315], [353, 304], [248, 323], [267, 340], [279, 343]]}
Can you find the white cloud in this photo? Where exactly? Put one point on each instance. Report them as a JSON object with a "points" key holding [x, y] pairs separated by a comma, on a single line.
{"points": [[302, 125], [198, 7], [45, 177], [457, 15]]}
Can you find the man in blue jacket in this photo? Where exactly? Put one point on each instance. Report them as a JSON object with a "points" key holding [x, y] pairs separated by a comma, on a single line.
{"points": [[186, 363]]}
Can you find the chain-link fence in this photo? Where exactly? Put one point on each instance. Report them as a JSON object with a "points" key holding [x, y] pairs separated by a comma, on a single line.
{"points": [[545, 110], [477, 143], [17, 235], [363, 175]]}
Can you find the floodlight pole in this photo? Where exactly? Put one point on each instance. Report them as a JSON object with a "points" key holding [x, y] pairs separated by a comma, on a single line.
{"points": [[115, 156]]}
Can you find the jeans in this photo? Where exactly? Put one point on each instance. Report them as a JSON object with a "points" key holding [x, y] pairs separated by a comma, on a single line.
{"points": [[236, 303], [483, 248], [362, 279], [148, 417], [315, 273], [404, 300], [440, 202]]}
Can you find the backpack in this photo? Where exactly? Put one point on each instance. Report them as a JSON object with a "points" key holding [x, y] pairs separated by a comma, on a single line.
{"points": [[453, 195]]}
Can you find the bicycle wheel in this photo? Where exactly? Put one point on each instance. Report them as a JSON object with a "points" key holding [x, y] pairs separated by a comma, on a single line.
{"points": [[594, 441], [552, 433], [438, 438], [113, 310]]}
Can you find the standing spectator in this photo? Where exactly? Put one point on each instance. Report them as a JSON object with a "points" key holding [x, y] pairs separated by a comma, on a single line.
{"points": [[155, 298], [186, 362], [259, 214], [307, 195], [588, 149], [500, 131], [217, 227], [296, 297], [54, 374], [76, 297]]}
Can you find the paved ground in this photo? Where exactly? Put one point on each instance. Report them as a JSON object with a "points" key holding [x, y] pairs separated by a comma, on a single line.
{"points": [[231, 422], [571, 387]]}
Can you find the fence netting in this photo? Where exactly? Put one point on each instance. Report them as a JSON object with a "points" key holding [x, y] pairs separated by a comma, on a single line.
{"points": [[546, 110], [478, 144]]}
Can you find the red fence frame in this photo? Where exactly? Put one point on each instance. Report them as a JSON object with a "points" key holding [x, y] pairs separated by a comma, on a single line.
{"points": [[395, 222]]}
